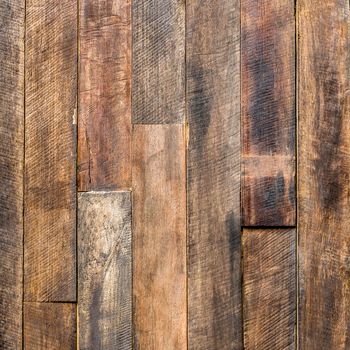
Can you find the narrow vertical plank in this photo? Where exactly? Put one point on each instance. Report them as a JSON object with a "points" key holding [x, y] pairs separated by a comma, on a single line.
{"points": [[213, 95], [104, 272], [11, 171], [104, 138], [269, 288], [49, 326], [158, 72], [49, 240], [324, 173], [159, 237], [268, 113]]}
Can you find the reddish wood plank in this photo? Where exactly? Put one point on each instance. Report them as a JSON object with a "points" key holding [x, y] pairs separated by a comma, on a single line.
{"points": [[268, 113], [11, 171], [159, 237], [324, 173], [104, 137], [269, 288], [51, 88]]}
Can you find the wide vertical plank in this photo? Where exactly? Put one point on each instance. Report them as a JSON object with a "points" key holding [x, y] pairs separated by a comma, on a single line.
{"points": [[104, 139], [49, 326], [49, 239], [214, 253], [268, 113], [104, 272], [158, 72], [269, 288], [159, 237], [11, 171], [324, 173]]}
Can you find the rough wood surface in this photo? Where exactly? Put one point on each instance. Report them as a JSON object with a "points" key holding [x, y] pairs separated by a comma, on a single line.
{"points": [[49, 239], [268, 113], [104, 272], [213, 95], [269, 288], [159, 237], [324, 173], [104, 139], [158, 74], [49, 326], [11, 171]]}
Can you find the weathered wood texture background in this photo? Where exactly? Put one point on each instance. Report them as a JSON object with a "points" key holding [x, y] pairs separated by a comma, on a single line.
{"points": [[174, 174]]}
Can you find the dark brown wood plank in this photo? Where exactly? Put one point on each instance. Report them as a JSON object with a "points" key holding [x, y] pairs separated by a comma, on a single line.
{"points": [[268, 113], [324, 173], [158, 72], [11, 171], [51, 88], [269, 288], [214, 253], [104, 270], [159, 237], [104, 138], [49, 326]]}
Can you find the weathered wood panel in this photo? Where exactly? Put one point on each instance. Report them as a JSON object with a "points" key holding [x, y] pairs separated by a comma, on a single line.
{"points": [[104, 273], [49, 239], [269, 288], [11, 171], [104, 139], [158, 74], [159, 237], [268, 113], [49, 326], [324, 173], [213, 95]]}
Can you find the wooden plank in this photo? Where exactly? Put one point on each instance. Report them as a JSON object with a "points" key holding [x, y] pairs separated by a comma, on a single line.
{"points": [[104, 138], [11, 171], [324, 172], [104, 272], [159, 237], [49, 242], [214, 253], [268, 113], [49, 326], [269, 288], [158, 72]]}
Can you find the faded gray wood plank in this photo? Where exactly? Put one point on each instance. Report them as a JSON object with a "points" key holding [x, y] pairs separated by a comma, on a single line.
{"points": [[104, 272]]}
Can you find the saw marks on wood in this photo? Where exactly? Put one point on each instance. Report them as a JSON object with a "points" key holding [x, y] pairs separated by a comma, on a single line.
{"points": [[159, 237], [104, 272]]}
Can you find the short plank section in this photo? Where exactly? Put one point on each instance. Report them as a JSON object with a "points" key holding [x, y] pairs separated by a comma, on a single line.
{"points": [[268, 113], [269, 288], [159, 237], [324, 173], [49, 326], [11, 171], [158, 78], [104, 270], [104, 133], [49, 239], [214, 253]]}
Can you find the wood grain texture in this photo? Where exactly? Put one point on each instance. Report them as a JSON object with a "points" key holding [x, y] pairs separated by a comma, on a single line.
{"points": [[268, 113], [158, 72], [11, 171], [104, 137], [269, 288], [49, 326], [214, 253], [104, 272], [324, 173], [49, 239], [159, 237]]}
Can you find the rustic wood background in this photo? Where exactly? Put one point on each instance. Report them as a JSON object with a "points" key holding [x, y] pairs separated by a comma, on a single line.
{"points": [[175, 174]]}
